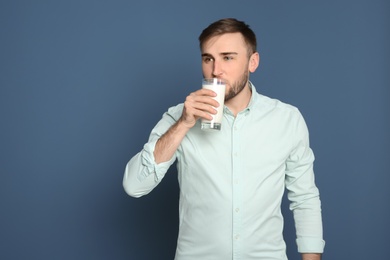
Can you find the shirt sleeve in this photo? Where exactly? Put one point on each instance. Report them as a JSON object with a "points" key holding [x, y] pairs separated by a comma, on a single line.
{"points": [[303, 193], [142, 174]]}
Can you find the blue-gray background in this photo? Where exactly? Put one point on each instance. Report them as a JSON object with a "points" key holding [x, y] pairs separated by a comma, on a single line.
{"points": [[83, 82]]}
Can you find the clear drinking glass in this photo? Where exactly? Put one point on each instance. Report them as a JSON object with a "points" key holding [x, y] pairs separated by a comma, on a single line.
{"points": [[218, 86]]}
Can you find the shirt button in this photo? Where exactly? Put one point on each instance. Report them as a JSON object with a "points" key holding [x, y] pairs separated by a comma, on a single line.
{"points": [[237, 210], [237, 237]]}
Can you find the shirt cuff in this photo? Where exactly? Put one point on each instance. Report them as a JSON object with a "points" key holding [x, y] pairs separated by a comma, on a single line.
{"points": [[310, 245]]}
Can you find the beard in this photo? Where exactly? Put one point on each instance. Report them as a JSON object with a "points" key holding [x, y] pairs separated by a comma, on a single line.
{"points": [[237, 86]]}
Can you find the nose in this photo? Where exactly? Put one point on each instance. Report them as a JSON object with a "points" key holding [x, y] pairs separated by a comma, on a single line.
{"points": [[217, 70]]}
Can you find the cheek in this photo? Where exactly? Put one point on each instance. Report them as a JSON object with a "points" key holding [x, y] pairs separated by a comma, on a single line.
{"points": [[207, 71]]}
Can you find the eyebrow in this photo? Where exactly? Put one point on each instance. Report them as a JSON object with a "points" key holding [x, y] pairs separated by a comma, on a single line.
{"points": [[221, 54]]}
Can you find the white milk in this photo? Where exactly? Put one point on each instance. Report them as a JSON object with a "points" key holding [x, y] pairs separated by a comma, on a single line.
{"points": [[219, 89]]}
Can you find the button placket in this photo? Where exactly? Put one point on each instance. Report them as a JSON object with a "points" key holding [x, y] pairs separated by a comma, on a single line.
{"points": [[236, 187]]}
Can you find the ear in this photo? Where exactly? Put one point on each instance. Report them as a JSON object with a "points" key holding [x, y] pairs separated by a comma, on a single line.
{"points": [[254, 62]]}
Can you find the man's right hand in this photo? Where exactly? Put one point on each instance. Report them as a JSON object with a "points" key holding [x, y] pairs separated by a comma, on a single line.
{"points": [[199, 104]]}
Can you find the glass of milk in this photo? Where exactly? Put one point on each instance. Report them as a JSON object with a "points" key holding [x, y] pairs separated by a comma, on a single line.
{"points": [[218, 86]]}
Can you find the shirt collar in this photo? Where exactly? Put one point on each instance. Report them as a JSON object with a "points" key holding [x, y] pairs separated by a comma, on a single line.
{"points": [[253, 99]]}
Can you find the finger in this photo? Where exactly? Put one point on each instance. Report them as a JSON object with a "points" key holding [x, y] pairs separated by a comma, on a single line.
{"points": [[194, 110], [205, 92], [204, 104], [202, 99], [195, 114]]}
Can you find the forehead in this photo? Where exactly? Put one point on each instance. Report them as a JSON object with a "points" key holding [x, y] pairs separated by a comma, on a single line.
{"points": [[228, 42]]}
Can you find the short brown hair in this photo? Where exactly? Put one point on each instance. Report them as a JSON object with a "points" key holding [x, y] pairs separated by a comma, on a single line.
{"points": [[230, 25]]}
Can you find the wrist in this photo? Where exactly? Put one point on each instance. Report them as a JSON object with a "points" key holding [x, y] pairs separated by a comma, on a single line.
{"points": [[311, 256], [182, 125]]}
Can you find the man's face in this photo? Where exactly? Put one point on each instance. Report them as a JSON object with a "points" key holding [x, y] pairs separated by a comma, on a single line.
{"points": [[226, 57]]}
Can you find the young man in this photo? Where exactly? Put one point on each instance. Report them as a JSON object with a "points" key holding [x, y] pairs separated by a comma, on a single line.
{"points": [[232, 181]]}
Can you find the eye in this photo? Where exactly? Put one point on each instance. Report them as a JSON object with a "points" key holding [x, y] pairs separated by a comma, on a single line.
{"points": [[227, 58], [207, 59]]}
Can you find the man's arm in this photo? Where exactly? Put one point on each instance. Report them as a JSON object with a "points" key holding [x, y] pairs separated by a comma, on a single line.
{"points": [[311, 256], [304, 194], [197, 104], [168, 143], [146, 169]]}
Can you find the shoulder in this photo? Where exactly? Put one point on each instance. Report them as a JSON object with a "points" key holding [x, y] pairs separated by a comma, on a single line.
{"points": [[281, 115], [263, 104], [272, 105]]}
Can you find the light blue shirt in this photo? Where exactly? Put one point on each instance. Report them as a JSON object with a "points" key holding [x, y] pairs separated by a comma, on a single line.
{"points": [[232, 183]]}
